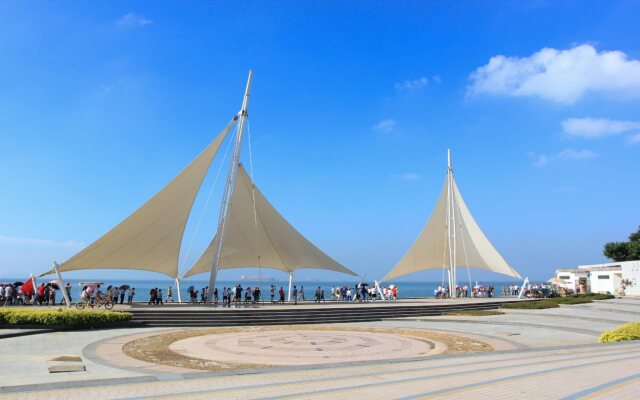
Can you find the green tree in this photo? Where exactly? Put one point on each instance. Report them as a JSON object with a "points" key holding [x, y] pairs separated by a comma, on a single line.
{"points": [[624, 251]]}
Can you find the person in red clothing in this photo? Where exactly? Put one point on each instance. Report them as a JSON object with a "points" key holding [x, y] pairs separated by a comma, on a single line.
{"points": [[41, 292], [281, 293]]}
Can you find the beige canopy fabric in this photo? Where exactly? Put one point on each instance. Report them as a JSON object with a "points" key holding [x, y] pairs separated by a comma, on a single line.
{"points": [[150, 238], [262, 238], [431, 249]]}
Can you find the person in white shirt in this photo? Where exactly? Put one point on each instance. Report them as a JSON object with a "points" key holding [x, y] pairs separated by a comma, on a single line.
{"points": [[169, 294]]}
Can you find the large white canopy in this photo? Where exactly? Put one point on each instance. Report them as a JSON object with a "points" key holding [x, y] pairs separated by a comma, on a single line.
{"points": [[471, 247], [261, 237], [150, 238]]}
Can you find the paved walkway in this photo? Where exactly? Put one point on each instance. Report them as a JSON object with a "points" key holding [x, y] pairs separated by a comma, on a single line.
{"points": [[604, 371], [553, 353]]}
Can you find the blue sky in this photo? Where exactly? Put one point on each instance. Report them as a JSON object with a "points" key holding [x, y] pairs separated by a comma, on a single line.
{"points": [[353, 108]]}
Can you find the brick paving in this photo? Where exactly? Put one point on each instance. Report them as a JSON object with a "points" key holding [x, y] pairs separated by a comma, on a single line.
{"points": [[550, 373]]}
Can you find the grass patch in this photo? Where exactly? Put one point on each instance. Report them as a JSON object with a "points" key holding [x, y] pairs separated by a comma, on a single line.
{"points": [[556, 301], [574, 299], [628, 331], [60, 317], [474, 313], [598, 296], [531, 305]]}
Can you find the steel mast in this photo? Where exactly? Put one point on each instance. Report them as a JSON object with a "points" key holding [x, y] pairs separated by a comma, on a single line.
{"points": [[451, 227], [228, 190]]}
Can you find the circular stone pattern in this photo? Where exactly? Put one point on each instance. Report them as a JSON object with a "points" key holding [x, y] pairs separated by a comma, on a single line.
{"points": [[302, 347]]}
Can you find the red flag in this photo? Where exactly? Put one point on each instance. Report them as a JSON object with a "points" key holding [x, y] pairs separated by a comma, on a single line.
{"points": [[27, 287]]}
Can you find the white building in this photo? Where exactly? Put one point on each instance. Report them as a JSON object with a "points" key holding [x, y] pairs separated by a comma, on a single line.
{"points": [[604, 278]]}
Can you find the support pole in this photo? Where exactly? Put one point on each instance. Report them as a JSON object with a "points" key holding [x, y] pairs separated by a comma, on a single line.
{"points": [[61, 282], [451, 230], [524, 284], [178, 290], [290, 282], [378, 290], [228, 190]]}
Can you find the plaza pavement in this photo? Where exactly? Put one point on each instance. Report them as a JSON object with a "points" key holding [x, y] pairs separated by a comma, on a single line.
{"points": [[549, 353]]}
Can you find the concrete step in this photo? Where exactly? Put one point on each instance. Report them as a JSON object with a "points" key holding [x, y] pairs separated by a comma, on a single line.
{"points": [[238, 317]]}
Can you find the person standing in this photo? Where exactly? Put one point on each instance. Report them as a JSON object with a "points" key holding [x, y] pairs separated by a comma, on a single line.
{"points": [[295, 294], [159, 297], [169, 294], [132, 292], [122, 293], [281, 293], [52, 295], [272, 292], [302, 293]]}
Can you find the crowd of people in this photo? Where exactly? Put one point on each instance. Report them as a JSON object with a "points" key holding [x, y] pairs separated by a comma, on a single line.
{"points": [[442, 292], [19, 293], [27, 293]]}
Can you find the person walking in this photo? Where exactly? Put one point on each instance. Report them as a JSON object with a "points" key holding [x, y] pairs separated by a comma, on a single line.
{"points": [[159, 297], [302, 293], [272, 292], [295, 294], [122, 293], [281, 293]]}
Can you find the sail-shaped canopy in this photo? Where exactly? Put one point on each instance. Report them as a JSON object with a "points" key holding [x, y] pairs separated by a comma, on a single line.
{"points": [[150, 238], [261, 237], [471, 247]]}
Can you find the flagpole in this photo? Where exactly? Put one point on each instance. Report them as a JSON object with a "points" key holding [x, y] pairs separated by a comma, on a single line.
{"points": [[228, 191]]}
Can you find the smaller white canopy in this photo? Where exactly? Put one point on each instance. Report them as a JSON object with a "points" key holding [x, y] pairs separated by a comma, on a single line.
{"points": [[471, 247], [261, 237]]}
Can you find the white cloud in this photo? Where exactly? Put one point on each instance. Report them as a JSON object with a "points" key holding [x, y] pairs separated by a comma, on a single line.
{"points": [[132, 20], [634, 139], [387, 125], [19, 241], [566, 154], [409, 176], [414, 84], [591, 128], [562, 76]]}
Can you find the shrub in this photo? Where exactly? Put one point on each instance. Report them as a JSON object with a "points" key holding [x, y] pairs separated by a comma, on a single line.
{"points": [[628, 331], [71, 318], [556, 301]]}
